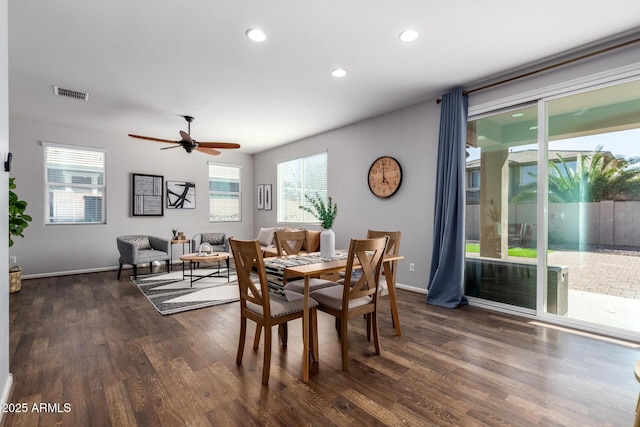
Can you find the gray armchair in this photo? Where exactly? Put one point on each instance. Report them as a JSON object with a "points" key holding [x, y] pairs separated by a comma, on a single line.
{"points": [[219, 242], [141, 249]]}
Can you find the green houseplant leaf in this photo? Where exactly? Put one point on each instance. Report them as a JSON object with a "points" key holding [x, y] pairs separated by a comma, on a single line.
{"points": [[18, 219], [325, 212]]}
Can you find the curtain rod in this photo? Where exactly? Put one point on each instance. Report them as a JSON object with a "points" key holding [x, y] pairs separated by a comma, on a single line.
{"points": [[550, 67]]}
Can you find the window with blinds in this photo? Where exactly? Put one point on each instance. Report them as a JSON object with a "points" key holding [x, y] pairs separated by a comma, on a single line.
{"points": [[75, 184], [297, 177], [224, 193]]}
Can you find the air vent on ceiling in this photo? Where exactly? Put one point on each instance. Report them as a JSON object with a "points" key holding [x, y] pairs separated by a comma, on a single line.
{"points": [[60, 91]]}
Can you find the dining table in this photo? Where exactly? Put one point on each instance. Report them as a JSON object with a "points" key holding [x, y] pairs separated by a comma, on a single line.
{"points": [[313, 265]]}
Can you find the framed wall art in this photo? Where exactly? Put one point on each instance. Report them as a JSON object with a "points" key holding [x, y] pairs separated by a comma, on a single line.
{"points": [[267, 197], [147, 195], [260, 195], [181, 195]]}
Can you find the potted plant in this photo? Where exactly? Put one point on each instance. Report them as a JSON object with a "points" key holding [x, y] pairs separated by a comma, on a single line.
{"points": [[175, 233], [18, 221], [326, 213]]}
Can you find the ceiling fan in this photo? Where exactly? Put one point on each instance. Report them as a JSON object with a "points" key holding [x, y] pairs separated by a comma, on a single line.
{"points": [[190, 144]]}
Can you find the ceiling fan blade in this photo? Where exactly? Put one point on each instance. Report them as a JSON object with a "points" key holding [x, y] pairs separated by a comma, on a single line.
{"points": [[175, 146], [151, 138], [218, 144], [186, 137], [208, 151]]}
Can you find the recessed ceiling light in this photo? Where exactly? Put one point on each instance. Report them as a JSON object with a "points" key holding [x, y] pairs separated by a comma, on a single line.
{"points": [[409, 35], [339, 72], [256, 35], [515, 115]]}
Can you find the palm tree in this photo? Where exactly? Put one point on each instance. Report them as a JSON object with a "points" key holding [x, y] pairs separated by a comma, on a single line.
{"points": [[597, 176]]}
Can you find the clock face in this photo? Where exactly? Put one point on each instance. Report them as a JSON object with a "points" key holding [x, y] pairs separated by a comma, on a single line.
{"points": [[385, 177]]}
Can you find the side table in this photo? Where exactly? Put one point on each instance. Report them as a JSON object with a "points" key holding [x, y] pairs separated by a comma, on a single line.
{"points": [[177, 242]]}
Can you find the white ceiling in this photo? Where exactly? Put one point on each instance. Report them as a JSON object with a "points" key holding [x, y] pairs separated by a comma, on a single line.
{"points": [[147, 62]]}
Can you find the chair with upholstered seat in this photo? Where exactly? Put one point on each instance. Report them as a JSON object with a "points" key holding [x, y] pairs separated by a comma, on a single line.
{"points": [[345, 302], [263, 307], [291, 242], [294, 243], [389, 270], [142, 249]]}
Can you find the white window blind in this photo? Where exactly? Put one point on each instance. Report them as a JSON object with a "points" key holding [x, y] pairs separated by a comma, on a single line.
{"points": [[75, 184], [297, 177], [225, 199]]}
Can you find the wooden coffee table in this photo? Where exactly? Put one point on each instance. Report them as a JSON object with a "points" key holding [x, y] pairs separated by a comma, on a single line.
{"points": [[196, 258]]}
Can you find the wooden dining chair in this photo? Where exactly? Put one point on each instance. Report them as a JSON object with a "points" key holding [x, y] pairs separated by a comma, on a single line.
{"points": [[259, 305], [345, 302], [291, 242], [389, 269]]}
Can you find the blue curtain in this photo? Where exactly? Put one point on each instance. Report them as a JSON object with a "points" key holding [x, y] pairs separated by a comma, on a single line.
{"points": [[446, 278]]}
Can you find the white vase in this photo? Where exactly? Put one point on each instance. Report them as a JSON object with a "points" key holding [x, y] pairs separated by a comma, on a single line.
{"points": [[327, 243]]}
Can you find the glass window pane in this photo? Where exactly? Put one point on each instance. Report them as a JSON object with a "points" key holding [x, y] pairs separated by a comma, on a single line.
{"points": [[75, 184], [297, 178], [594, 206], [224, 193], [501, 208]]}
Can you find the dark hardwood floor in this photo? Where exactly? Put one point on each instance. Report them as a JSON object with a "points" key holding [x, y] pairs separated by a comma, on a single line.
{"points": [[94, 343]]}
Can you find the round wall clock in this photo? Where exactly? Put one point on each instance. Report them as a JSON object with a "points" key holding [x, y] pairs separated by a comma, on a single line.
{"points": [[385, 176]]}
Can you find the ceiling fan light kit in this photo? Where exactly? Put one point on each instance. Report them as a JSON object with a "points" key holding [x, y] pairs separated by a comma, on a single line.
{"points": [[189, 144]]}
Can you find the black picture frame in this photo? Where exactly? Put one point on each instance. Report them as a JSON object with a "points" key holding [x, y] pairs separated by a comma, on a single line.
{"points": [[181, 195], [267, 197], [147, 195], [260, 196]]}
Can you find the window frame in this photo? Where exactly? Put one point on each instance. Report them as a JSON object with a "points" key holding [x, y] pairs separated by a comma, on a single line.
{"points": [[48, 185], [306, 218], [211, 192]]}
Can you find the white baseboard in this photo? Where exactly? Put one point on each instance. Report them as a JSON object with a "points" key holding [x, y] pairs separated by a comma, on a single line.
{"points": [[68, 273], [6, 393], [88, 270], [411, 288]]}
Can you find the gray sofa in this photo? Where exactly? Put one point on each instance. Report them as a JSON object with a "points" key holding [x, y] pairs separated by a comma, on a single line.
{"points": [[142, 249]]}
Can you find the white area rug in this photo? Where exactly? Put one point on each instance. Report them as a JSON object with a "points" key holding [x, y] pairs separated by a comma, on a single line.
{"points": [[170, 294]]}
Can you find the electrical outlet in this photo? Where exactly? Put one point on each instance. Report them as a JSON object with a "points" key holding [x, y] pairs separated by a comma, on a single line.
{"points": [[412, 267], [13, 260]]}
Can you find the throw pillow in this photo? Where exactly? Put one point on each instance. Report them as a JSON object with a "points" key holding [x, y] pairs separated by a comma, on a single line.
{"points": [[213, 238], [265, 236], [141, 242]]}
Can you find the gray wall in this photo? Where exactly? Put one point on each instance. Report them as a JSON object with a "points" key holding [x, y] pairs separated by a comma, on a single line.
{"points": [[59, 249], [411, 136]]}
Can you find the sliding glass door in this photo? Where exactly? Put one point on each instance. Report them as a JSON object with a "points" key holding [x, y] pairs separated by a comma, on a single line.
{"points": [[501, 232], [593, 201], [553, 208]]}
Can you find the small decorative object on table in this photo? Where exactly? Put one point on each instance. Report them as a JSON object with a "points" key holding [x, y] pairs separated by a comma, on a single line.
{"points": [[175, 233], [205, 248], [326, 213]]}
